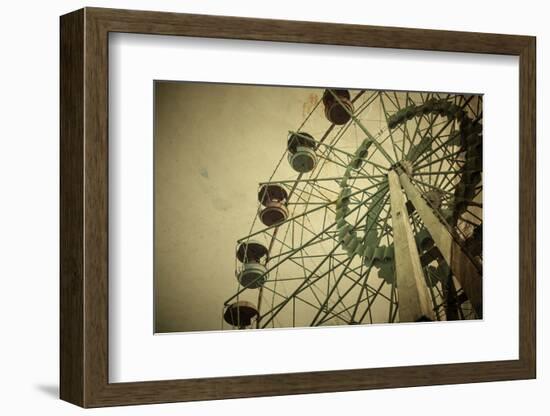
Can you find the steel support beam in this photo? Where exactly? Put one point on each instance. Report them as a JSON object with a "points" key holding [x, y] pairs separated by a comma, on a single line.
{"points": [[463, 267], [413, 297]]}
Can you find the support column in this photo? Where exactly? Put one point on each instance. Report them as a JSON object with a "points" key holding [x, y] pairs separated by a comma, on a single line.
{"points": [[414, 301], [462, 266]]}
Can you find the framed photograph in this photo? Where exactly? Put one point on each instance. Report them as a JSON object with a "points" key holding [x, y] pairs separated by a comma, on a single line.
{"points": [[255, 207]]}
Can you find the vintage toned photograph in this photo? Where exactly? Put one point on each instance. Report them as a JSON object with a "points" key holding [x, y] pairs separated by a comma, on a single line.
{"points": [[294, 207]]}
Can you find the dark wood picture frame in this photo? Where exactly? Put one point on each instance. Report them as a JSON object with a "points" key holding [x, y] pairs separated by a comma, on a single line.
{"points": [[84, 207]]}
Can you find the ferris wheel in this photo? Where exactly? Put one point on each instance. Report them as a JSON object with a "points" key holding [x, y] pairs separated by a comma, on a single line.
{"points": [[373, 214]]}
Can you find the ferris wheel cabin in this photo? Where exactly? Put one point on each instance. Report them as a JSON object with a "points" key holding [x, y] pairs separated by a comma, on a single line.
{"points": [[338, 106], [253, 273], [274, 198], [301, 152]]}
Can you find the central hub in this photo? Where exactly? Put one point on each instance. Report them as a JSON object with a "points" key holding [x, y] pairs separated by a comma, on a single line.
{"points": [[407, 167], [403, 165]]}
